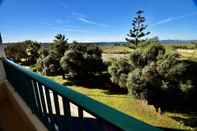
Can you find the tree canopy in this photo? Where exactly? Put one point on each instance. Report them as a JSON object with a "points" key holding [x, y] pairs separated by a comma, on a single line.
{"points": [[135, 35]]}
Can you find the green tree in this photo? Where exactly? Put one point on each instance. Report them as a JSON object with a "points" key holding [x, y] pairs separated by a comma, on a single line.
{"points": [[60, 45], [119, 71], [152, 75], [51, 60], [32, 51], [43, 53], [82, 61], [135, 35], [16, 52]]}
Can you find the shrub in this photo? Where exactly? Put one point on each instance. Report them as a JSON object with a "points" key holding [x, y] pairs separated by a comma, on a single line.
{"points": [[49, 61], [16, 52], [32, 52], [52, 65], [82, 61], [152, 75], [119, 71]]}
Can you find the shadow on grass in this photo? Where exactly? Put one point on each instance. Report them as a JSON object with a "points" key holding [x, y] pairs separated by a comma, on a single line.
{"points": [[99, 82], [189, 119]]}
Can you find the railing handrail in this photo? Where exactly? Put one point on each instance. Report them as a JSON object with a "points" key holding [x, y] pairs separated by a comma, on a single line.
{"points": [[107, 113]]}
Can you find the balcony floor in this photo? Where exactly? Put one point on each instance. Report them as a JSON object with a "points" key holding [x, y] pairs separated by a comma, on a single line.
{"points": [[9, 118]]}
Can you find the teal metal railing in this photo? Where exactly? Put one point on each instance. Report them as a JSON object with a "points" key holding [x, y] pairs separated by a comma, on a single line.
{"points": [[52, 104]]}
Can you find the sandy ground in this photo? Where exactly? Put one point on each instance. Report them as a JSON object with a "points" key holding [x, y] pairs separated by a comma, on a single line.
{"points": [[108, 57]]}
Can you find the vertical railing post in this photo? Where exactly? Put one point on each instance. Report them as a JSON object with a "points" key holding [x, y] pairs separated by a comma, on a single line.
{"points": [[50, 112], [56, 101], [80, 115], [43, 104], [37, 99], [67, 114]]}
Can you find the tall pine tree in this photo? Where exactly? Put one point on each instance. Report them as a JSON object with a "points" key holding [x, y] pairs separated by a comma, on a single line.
{"points": [[137, 32]]}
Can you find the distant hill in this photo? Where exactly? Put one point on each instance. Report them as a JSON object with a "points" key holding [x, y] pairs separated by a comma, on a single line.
{"points": [[117, 43], [162, 42], [177, 41]]}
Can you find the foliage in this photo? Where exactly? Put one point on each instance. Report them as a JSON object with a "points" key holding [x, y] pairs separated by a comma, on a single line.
{"points": [[32, 52], [130, 106], [82, 61], [25, 52], [138, 30], [43, 53], [59, 45], [16, 52], [119, 71], [73, 64], [194, 43], [152, 75], [49, 61]]}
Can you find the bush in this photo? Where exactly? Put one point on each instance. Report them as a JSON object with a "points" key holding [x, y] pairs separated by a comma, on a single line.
{"points": [[32, 52], [24, 52], [152, 75], [49, 61], [119, 71], [82, 61], [16, 52], [52, 65]]}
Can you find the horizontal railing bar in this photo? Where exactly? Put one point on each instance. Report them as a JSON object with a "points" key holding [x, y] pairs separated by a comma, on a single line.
{"points": [[116, 118]]}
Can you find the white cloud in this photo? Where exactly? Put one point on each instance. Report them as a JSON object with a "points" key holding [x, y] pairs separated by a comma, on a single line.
{"points": [[170, 19], [87, 21]]}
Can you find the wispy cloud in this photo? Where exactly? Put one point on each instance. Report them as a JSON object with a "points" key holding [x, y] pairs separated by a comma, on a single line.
{"points": [[87, 21], [170, 19]]}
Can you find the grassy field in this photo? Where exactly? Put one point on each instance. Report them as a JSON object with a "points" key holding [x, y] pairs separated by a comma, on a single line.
{"points": [[131, 106], [186, 52], [108, 49]]}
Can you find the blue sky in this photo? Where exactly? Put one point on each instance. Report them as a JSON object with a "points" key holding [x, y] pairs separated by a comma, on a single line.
{"points": [[95, 20]]}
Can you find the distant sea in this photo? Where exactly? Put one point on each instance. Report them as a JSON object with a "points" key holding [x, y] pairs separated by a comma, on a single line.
{"points": [[161, 41], [122, 42]]}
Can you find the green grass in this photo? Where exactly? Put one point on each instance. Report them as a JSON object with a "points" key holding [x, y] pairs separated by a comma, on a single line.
{"points": [[130, 106]]}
